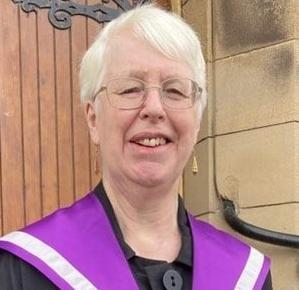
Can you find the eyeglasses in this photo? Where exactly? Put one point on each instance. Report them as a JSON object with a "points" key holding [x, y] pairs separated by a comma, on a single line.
{"points": [[130, 93]]}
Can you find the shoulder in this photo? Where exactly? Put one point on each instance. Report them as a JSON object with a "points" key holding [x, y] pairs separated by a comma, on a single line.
{"points": [[66, 218], [222, 252], [208, 235], [215, 235], [15, 246], [56, 228]]}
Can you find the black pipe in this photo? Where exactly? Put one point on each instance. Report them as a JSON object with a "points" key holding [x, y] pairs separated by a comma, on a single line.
{"points": [[254, 232]]}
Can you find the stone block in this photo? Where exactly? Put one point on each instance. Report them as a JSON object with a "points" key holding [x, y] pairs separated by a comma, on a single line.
{"points": [[199, 192], [257, 88], [259, 167], [281, 218], [296, 72], [241, 26], [198, 13], [296, 12]]}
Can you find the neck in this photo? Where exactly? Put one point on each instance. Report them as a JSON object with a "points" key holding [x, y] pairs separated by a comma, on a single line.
{"points": [[147, 218]]}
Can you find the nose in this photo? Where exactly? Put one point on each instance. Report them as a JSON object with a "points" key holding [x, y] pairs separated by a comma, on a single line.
{"points": [[152, 108]]}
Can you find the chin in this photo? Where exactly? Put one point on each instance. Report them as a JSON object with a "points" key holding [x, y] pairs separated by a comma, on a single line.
{"points": [[153, 176]]}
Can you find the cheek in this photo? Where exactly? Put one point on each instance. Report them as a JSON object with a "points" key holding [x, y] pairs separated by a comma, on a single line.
{"points": [[115, 125], [188, 129]]}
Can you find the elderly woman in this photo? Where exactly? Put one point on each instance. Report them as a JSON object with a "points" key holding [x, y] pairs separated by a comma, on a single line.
{"points": [[143, 89]]}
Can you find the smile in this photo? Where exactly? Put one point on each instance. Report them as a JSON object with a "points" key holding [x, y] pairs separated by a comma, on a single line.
{"points": [[152, 142]]}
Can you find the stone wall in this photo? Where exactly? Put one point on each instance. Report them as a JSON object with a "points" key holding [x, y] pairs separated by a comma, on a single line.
{"points": [[248, 146]]}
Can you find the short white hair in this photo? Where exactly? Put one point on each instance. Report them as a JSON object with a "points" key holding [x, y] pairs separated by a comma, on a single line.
{"points": [[164, 31]]}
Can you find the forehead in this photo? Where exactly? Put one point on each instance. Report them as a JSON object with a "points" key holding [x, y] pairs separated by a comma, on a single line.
{"points": [[129, 56]]}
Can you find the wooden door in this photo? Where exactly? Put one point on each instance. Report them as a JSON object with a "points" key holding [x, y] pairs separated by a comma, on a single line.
{"points": [[46, 157]]}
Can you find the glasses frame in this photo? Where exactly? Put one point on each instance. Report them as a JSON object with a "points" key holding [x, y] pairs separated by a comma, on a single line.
{"points": [[196, 96]]}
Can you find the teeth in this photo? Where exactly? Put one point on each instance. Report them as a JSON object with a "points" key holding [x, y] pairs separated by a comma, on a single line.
{"points": [[162, 141], [152, 142]]}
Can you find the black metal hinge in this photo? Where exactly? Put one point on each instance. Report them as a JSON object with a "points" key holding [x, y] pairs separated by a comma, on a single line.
{"points": [[61, 11]]}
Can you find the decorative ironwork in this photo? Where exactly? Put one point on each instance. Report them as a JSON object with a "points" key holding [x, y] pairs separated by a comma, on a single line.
{"points": [[61, 11]]}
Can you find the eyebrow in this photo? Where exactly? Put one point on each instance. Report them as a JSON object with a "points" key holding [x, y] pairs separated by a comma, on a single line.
{"points": [[142, 74], [132, 73]]}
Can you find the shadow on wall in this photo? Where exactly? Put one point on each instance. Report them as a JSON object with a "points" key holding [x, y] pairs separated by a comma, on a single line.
{"points": [[247, 24]]}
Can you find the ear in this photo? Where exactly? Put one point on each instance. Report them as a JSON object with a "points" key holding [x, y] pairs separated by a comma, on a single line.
{"points": [[92, 118]]}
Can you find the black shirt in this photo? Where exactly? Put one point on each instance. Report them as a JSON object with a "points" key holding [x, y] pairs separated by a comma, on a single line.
{"points": [[16, 274]]}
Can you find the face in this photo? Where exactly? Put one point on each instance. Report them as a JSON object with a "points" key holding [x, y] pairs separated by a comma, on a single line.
{"points": [[126, 136]]}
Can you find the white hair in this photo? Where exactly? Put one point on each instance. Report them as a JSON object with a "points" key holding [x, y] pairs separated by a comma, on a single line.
{"points": [[164, 31]]}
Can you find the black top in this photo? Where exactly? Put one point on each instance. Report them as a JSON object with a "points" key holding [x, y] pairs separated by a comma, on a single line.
{"points": [[16, 274]]}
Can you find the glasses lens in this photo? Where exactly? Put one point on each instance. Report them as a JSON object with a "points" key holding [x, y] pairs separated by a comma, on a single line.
{"points": [[179, 93], [125, 93]]}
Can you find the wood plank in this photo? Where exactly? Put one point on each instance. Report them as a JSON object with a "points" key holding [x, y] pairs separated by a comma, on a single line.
{"points": [[64, 117], [93, 29], [11, 121], [1, 214], [80, 129], [48, 126], [2, 58], [31, 138]]}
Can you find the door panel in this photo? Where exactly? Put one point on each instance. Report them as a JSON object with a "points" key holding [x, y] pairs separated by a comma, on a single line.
{"points": [[12, 178]]}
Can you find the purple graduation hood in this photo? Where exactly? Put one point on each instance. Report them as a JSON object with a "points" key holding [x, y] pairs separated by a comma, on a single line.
{"points": [[76, 249]]}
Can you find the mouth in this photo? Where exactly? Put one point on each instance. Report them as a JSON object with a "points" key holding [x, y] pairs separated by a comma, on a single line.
{"points": [[151, 141]]}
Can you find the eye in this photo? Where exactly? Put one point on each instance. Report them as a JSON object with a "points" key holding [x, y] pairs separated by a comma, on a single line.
{"points": [[130, 90], [127, 88], [175, 94]]}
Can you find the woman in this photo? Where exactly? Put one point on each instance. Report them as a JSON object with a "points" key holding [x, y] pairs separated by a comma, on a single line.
{"points": [[143, 89]]}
